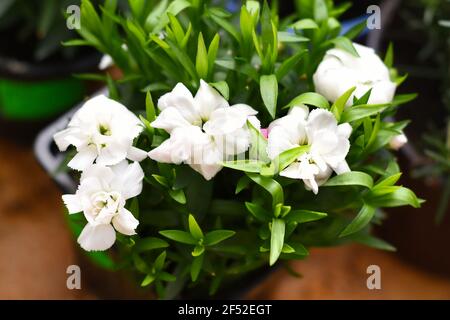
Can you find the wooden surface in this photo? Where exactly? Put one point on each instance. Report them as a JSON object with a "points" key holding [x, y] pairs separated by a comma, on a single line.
{"points": [[36, 248]]}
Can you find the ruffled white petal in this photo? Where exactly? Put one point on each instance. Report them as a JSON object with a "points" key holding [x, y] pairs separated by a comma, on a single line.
{"points": [[97, 238], [125, 223], [72, 203], [84, 158], [208, 99]]}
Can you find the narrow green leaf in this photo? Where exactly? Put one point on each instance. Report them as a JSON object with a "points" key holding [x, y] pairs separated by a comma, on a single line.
{"points": [[270, 185], [361, 111], [196, 267], [201, 62], [212, 54], [345, 44], [310, 98], [149, 107], [258, 212], [289, 64], [179, 236], [245, 165], [217, 236], [269, 93], [389, 57], [150, 243], [276, 240], [303, 216], [305, 24], [194, 228], [148, 280], [178, 195], [198, 251], [222, 87], [338, 106], [352, 178], [361, 220]]}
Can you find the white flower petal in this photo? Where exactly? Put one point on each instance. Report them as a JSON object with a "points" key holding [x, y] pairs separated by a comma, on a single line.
{"points": [[320, 119], [105, 62], [181, 99], [280, 139], [344, 130], [84, 158], [341, 168], [169, 119], [128, 179], [292, 171], [72, 203], [340, 70], [125, 222], [208, 171], [207, 100], [112, 153], [97, 238], [136, 154]]}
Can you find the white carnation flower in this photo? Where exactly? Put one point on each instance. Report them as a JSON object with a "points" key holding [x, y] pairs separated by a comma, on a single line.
{"points": [[398, 141], [204, 130], [340, 71], [328, 143], [102, 130], [101, 196]]}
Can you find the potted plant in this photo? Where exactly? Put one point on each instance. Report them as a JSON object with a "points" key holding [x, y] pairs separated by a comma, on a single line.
{"points": [[34, 66], [233, 142]]}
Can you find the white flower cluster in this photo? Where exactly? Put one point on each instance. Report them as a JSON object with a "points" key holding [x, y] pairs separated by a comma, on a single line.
{"points": [[204, 130], [103, 131]]}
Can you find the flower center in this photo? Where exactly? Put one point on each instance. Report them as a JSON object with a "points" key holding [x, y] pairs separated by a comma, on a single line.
{"points": [[106, 203], [104, 130]]}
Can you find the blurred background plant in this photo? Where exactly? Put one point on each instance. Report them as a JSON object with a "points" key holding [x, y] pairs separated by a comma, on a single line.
{"points": [[431, 20]]}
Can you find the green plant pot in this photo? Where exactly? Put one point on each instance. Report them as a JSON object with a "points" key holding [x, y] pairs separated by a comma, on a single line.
{"points": [[31, 95]]}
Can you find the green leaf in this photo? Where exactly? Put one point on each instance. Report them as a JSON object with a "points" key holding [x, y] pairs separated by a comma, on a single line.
{"points": [[161, 180], [284, 36], [303, 216], [217, 236], [258, 212], [150, 243], [212, 54], [174, 8], [149, 107], [258, 144], [289, 64], [276, 239], [179, 236], [393, 196], [389, 57], [196, 267], [310, 98], [285, 158], [148, 280], [361, 220], [201, 62], [159, 262], [270, 185], [269, 93], [361, 111], [352, 178], [242, 184], [345, 44], [244, 165], [194, 228], [403, 98], [339, 105], [222, 87], [198, 250], [389, 181], [320, 10], [178, 195], [356, 30], [227, 26], [371, 241], [305, 24]]}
